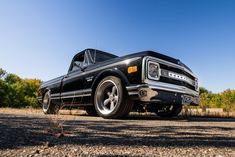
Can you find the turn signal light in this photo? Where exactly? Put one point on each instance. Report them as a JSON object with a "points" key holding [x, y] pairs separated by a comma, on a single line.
{"points": [[132, 69]]}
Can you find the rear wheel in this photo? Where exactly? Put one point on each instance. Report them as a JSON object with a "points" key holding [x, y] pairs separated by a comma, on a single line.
{"points": [[169, 110], [47, 106], [111, 98]]}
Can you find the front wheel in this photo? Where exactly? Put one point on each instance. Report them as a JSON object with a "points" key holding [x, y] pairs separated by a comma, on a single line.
{"points": [[111, 98], [47, 106], [169, 110]]}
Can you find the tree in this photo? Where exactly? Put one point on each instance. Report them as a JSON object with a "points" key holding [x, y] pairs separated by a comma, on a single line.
{"points": [[225, 100], [203, 90], [3, 92], [31, 87], [228, 99], [18, 92], [12, 78], [2, 72]]}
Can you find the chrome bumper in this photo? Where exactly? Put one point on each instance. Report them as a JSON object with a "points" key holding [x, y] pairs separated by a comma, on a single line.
{"points": [[151, 92]]}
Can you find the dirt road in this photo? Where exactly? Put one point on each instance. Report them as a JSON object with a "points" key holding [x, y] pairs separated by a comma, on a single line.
{"points": [[29, 133]]}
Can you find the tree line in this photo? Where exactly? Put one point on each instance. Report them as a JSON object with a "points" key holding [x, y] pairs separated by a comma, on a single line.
{"points": [[18, 92], [225, 99]]}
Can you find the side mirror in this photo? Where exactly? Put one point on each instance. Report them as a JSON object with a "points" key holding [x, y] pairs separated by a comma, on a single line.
{"points": [[77, 64]]}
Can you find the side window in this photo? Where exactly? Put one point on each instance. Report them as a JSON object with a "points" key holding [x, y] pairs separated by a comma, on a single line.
{"points": [[83, 60], [78, 62]]}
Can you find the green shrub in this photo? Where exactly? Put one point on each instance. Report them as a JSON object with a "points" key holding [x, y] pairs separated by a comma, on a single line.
{"points": [[225, 100], [18, 92]]}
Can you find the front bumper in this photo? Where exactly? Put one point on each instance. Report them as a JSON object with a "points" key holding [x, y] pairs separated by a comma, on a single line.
{"points": [[163, 93]]}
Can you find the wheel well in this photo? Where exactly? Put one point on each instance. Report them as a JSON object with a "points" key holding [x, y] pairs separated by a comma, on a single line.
{"points": [[118, 74]]}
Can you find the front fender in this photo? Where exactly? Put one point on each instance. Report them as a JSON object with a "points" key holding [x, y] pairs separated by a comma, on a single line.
{"points": [[110, 72]]}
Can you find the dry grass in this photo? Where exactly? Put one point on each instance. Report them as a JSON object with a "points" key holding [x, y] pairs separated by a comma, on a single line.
{"points": [[187, 113], [210, 112], [21, 110]]}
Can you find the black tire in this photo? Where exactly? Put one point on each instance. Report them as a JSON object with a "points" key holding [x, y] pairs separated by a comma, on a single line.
{"points": [[91, 111], [111, 98], [47, 106], [169, 110]]}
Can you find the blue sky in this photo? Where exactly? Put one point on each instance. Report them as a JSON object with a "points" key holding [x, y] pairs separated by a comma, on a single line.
{"points": [[38, 38]]}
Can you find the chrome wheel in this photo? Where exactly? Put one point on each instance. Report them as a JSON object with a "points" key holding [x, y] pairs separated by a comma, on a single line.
{"points": [[46, 102], [111, 99], [107, 97], [48, 106]]}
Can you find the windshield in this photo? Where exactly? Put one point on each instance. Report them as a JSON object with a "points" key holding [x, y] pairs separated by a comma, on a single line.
{"points": [[99, 56]]}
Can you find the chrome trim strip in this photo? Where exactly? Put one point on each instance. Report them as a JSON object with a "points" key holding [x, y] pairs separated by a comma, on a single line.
{"points": [[71, 96], [165, 87], [54, 98], [144, 69], [132, 93], [55, 95], [77, 92], [75, 96]]}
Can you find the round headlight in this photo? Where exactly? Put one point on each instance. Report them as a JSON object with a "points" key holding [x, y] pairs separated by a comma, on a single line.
{"points": [[153, 70]]}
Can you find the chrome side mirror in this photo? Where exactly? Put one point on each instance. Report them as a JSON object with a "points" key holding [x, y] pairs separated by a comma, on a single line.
{"points": [[77, 64]]}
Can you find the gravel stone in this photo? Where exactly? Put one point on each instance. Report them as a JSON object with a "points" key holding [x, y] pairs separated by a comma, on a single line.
{"points": [[29, 134]]}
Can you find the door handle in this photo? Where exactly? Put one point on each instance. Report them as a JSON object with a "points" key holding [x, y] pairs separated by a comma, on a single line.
{"points": [[66, 76]]}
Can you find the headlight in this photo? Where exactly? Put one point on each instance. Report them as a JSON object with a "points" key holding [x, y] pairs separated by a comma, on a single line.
{"points": [[153, 70]]}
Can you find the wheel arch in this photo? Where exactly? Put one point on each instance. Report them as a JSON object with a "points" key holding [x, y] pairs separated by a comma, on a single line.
{"points": [[108, 72]]}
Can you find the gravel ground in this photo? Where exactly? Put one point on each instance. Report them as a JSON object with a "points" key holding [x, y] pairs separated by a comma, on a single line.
{"points": [[31, 133]]}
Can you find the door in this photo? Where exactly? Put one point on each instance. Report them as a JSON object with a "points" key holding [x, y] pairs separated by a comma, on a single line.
{"points": [[73, 82]]}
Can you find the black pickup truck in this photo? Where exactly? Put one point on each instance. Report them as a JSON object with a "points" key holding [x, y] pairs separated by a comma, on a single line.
{"points": [[112, 86]]}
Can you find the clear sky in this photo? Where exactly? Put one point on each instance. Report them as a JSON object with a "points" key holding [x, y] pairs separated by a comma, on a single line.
{"points": [[38, 38]]}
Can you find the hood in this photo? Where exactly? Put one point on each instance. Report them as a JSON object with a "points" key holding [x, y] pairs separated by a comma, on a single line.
{"points": [[158, 55]]}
